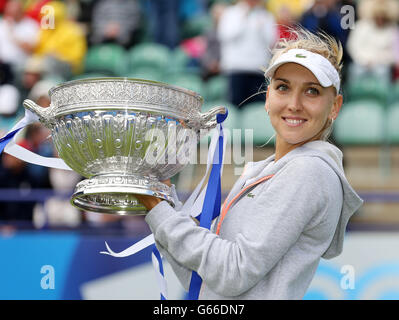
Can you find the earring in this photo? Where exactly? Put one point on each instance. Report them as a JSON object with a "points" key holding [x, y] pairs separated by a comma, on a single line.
{"points": [[267, 112]]}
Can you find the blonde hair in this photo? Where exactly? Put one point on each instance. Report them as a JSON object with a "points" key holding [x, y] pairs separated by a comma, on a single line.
{"points": [[320, 43]]}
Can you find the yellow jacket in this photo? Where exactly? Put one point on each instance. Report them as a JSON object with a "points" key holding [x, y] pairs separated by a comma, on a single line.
{"points": [[65, 40], [296, 7]]}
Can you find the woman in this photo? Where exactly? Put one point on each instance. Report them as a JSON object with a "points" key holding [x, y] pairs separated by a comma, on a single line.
{"points": [[371, 43], [246, 32], [284, 213]]}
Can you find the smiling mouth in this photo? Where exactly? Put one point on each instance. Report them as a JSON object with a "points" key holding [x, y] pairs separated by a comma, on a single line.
{"points": [[294, 122]]}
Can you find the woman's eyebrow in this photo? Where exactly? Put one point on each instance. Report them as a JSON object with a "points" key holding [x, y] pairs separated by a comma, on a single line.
{"points": [[281, 79], [306, 83], [313, 83]]}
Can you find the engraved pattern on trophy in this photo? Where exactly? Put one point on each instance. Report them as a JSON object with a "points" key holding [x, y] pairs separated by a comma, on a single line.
{"points": [[109, 92], [124, 136]]}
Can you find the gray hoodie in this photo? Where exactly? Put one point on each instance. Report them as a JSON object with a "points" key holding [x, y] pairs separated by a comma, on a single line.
{"points": [[272, 238]]}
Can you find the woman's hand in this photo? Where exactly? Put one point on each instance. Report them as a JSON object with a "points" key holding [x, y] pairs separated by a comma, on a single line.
{"points": [[150, 202]]}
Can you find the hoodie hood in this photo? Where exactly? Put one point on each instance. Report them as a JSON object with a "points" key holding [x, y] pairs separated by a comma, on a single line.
{"points": [[333, 157], [351, 200]]}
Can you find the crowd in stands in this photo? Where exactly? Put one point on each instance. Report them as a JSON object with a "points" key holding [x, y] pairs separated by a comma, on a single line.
{"points": [[43, 43]]}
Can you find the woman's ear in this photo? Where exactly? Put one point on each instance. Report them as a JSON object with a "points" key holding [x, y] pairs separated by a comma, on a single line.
{"points": [[267, 99], [338, 101]]}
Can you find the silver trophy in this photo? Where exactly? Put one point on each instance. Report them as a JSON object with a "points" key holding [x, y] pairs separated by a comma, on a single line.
{"points": [[109, 130]]}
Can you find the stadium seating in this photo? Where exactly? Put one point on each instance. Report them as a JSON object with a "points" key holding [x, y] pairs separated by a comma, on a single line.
{"points": [[216, 88], [187, 80], [394, 94], [146, 73], [149, 55], [109, 59], [392, 124], [360, 123], [254, 116], [179, 60], [368, 88], [90, 75]]}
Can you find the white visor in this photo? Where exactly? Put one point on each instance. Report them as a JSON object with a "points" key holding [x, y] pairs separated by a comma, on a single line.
{"points": [[322, 69]]}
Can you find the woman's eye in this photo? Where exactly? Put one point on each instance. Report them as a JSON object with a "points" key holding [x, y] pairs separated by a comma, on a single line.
{"points": [[282, 87], [313, 91]]}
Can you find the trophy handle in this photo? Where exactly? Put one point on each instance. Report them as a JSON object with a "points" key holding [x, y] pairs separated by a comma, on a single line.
{"points": [[208, 119], [45, 114]]}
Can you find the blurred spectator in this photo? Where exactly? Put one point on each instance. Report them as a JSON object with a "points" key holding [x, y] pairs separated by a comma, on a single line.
{"points": [[9, 98], [39, 92], [2, 5], [287, 14], [84, 16], [325, 16], [396, 67], [31, 74], [73, 9], [286, 22], [86, 11], [210, 61], [15, 174], [372, 42], [296, 7], [6, 75], [189, 9], [18, 35], [37, 139], [34, 9], [164, 13], [38, 136], [26, 176], [64, 46], [57, 211], [246, 32], [115, 21]]}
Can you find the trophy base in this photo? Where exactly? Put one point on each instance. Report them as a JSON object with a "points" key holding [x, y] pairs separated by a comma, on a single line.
{"points": [[114, 194]]}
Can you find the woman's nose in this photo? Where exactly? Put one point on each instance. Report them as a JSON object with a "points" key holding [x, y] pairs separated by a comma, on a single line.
{"points": [[295, 102]]}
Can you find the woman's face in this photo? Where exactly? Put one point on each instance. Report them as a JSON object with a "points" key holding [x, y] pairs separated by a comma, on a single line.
{"points": [[298, 105]]}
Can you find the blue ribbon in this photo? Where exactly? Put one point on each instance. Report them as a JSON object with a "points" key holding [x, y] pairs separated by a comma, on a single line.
{"points": [[212, 202], [158, 256], [7, 138]]}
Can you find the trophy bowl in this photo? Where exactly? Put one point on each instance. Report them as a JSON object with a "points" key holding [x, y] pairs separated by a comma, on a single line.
{"points": [[124, 136]]}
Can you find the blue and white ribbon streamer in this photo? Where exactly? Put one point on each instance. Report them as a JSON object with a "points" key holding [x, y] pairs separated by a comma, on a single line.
{"points": [[8, 143], [212, 202], [11, 135], [7, 138], [157, 263]]}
